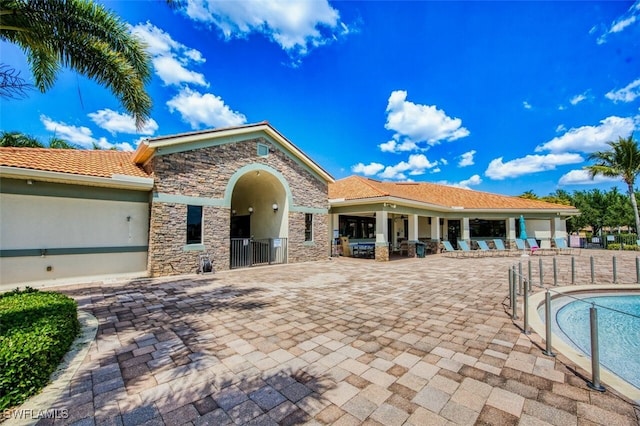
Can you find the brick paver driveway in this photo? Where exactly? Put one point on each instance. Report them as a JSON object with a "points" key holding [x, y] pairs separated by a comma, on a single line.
{"points": [[344, 341]]}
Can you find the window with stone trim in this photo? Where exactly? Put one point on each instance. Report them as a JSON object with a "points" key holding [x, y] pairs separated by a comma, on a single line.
{"points": [[194, 224], [308, 227]]}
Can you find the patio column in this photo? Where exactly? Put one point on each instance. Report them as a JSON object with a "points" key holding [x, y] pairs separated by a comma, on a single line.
{"points": [[382, 228], [511, 229], [435, 228], [413, 227], [413, 235], [334, 224], [557, 228], [466, 234]]}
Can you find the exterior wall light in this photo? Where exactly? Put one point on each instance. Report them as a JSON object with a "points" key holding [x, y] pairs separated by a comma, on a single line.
{"points": [[250, 210], [233, 212], [274, 207]]}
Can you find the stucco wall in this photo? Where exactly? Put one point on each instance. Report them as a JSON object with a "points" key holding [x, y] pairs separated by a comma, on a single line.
{"points": [[202, 177], [53, 231]]}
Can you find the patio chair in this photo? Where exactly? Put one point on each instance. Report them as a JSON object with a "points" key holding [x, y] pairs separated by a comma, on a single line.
{"points": [[484, 248], [533, 245], [562, 247], [500, 248], [449, 250], [520, 244], [466, 251]]}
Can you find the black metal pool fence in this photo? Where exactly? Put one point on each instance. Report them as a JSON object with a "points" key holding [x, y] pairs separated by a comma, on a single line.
{"points": [[561, 270]]}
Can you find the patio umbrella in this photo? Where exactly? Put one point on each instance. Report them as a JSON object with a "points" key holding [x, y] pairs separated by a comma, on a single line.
{"points": [[523, 230]]}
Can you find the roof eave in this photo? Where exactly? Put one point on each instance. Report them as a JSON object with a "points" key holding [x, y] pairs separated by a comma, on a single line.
{"points": [[339, 202], [143, 154], [119, 181]]}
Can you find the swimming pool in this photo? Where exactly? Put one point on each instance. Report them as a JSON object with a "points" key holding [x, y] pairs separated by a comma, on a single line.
{"points": [[562, 296], [618, 329]]}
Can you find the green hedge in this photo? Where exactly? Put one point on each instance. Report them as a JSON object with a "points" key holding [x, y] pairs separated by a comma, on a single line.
{"points": [[616, 246], [36, 331]]}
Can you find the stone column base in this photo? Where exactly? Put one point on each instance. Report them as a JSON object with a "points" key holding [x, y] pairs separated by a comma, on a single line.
{"points": [[411, 249], [382, 253]]}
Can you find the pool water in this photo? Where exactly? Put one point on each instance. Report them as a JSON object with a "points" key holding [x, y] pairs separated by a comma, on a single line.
{"points": [[618, 331]]}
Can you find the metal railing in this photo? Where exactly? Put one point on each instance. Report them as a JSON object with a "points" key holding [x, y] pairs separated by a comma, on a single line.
{"points": [[247, 252], [521, 285]]}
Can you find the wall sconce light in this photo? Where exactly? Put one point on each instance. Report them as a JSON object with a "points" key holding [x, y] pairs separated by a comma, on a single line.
{"points": [[250, 210], [233, 212], [274, 207], [29, 182], [128, 218]]}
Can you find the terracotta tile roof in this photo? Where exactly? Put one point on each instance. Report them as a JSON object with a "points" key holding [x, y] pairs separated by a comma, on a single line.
{"points": [[73, 161], [357, 187]]}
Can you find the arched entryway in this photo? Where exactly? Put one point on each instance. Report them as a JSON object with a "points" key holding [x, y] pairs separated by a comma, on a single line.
{"points": [[259, 218]]}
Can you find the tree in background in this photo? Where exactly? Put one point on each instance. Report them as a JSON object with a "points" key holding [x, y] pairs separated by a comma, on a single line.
{"points": [[622, 160], [592, 205], [20, 140], [83, 36]]}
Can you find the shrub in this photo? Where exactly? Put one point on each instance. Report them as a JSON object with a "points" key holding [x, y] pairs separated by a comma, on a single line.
{"points": [[616, 246], [36, 331]]}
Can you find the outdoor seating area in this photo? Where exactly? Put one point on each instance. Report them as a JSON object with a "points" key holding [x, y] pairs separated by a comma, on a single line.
{"points": [[496, 247]]}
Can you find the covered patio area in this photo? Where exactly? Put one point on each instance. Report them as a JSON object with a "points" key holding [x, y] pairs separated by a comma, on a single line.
{"points": [[390, 219]]}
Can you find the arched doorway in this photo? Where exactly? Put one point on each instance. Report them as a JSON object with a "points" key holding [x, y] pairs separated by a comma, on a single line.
{"points": [[259, 220]]}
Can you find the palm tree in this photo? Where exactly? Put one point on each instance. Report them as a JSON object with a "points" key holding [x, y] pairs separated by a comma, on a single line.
{"points": [[83, 36], [623, 160], [19, 140]]}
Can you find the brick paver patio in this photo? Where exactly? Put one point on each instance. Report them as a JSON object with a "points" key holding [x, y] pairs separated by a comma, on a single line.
{"points": [[344, 341]]}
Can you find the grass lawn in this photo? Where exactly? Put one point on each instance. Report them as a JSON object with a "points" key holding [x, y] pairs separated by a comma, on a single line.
{"points": [[36, 331]]}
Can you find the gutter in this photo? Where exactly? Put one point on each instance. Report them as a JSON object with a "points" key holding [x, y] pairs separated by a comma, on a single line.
{"points": [[119, 181]]}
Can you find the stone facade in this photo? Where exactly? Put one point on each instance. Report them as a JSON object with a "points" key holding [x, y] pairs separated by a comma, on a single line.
{"points": [[382, 253], [204, 173]]}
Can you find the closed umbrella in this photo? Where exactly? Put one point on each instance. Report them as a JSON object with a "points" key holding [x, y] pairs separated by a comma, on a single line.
{"points": [[523, 229]]}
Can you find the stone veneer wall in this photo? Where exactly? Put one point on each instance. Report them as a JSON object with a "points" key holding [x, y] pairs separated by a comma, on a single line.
{"points": [[205, 173]]}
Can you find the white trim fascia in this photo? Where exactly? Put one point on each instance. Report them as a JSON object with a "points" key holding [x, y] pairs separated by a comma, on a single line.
{"points": [[115, 181], [341, 202]]}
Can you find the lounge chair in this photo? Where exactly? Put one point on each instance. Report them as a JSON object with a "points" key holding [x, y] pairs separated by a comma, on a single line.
{"points": [[500, 248], [484, 248], [533, 245], [449, 250], [562, 247], [462, 245], [520, 244]]}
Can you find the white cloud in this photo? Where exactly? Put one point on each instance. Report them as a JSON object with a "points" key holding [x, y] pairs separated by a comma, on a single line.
{"points": [[577, 99], [421, 123], [397, 146], [466, 159], [444, 161], [206, 110], [590, 138], [498, 170], [629, 18], [526, 105], [464, 184], [417, 164], [367, 170], [80, 135], [170, 58], [297, 26], [561, 128], [172, 72], [115, 122], [581, 177], [467, 183], [627, 94]]}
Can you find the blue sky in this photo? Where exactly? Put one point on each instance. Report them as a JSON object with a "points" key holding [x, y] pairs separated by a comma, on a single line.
{"points": [[495, 96]]}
